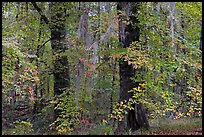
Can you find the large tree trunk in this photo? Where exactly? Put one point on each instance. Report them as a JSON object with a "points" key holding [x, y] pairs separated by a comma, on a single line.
{"points": [[61, 66], [136, 118]]}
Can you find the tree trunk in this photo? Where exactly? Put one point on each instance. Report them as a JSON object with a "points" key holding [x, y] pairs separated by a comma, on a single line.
{"points": [[201, 38], [38, 54], [61, 66], [136, 118]]}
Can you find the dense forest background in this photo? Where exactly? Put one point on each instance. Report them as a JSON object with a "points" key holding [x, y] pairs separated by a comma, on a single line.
{"points": [[101, 67]]}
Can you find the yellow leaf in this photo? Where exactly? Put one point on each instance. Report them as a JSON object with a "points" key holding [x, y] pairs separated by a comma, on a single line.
{"points": [[135, 89], [142, 85]]}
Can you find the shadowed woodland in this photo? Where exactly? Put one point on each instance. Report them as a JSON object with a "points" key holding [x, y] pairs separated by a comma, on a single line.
{"points": [[101, 68]]}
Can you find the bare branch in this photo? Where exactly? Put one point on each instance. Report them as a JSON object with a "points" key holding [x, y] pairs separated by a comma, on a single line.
{"points": [[40, 12]]}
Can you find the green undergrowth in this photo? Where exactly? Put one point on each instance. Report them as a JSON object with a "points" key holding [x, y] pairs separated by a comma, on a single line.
{"points": [[158, 126], [168, 126], [176, 123]]}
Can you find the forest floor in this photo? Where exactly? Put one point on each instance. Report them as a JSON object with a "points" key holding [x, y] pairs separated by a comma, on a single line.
{"points": [[175, 131], [161, 126], [183, 126]]}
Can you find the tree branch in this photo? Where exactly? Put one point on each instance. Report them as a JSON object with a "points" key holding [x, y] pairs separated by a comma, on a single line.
{"points": [[40, 46], [40, 12]]}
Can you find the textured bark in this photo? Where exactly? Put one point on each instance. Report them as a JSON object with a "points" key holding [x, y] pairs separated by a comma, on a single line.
{"points": [[35, 108], [61, 72], [61, 66], [201, 38], [57, 27], [136, 118]]}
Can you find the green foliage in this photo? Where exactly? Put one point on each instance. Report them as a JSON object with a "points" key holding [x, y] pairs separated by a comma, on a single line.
{"points": [[166, 69], [167, 61], [103, 128], [18, 73], [43, 119], [119, 110], [163, 64], [69, 116], [180, 123], [9, 62], [23, 128]]}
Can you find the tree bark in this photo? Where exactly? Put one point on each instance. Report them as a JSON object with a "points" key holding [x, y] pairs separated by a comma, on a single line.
{"points": [[201, 38], [136, 118], [61, 72], [61, 65], [57, 27]]}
